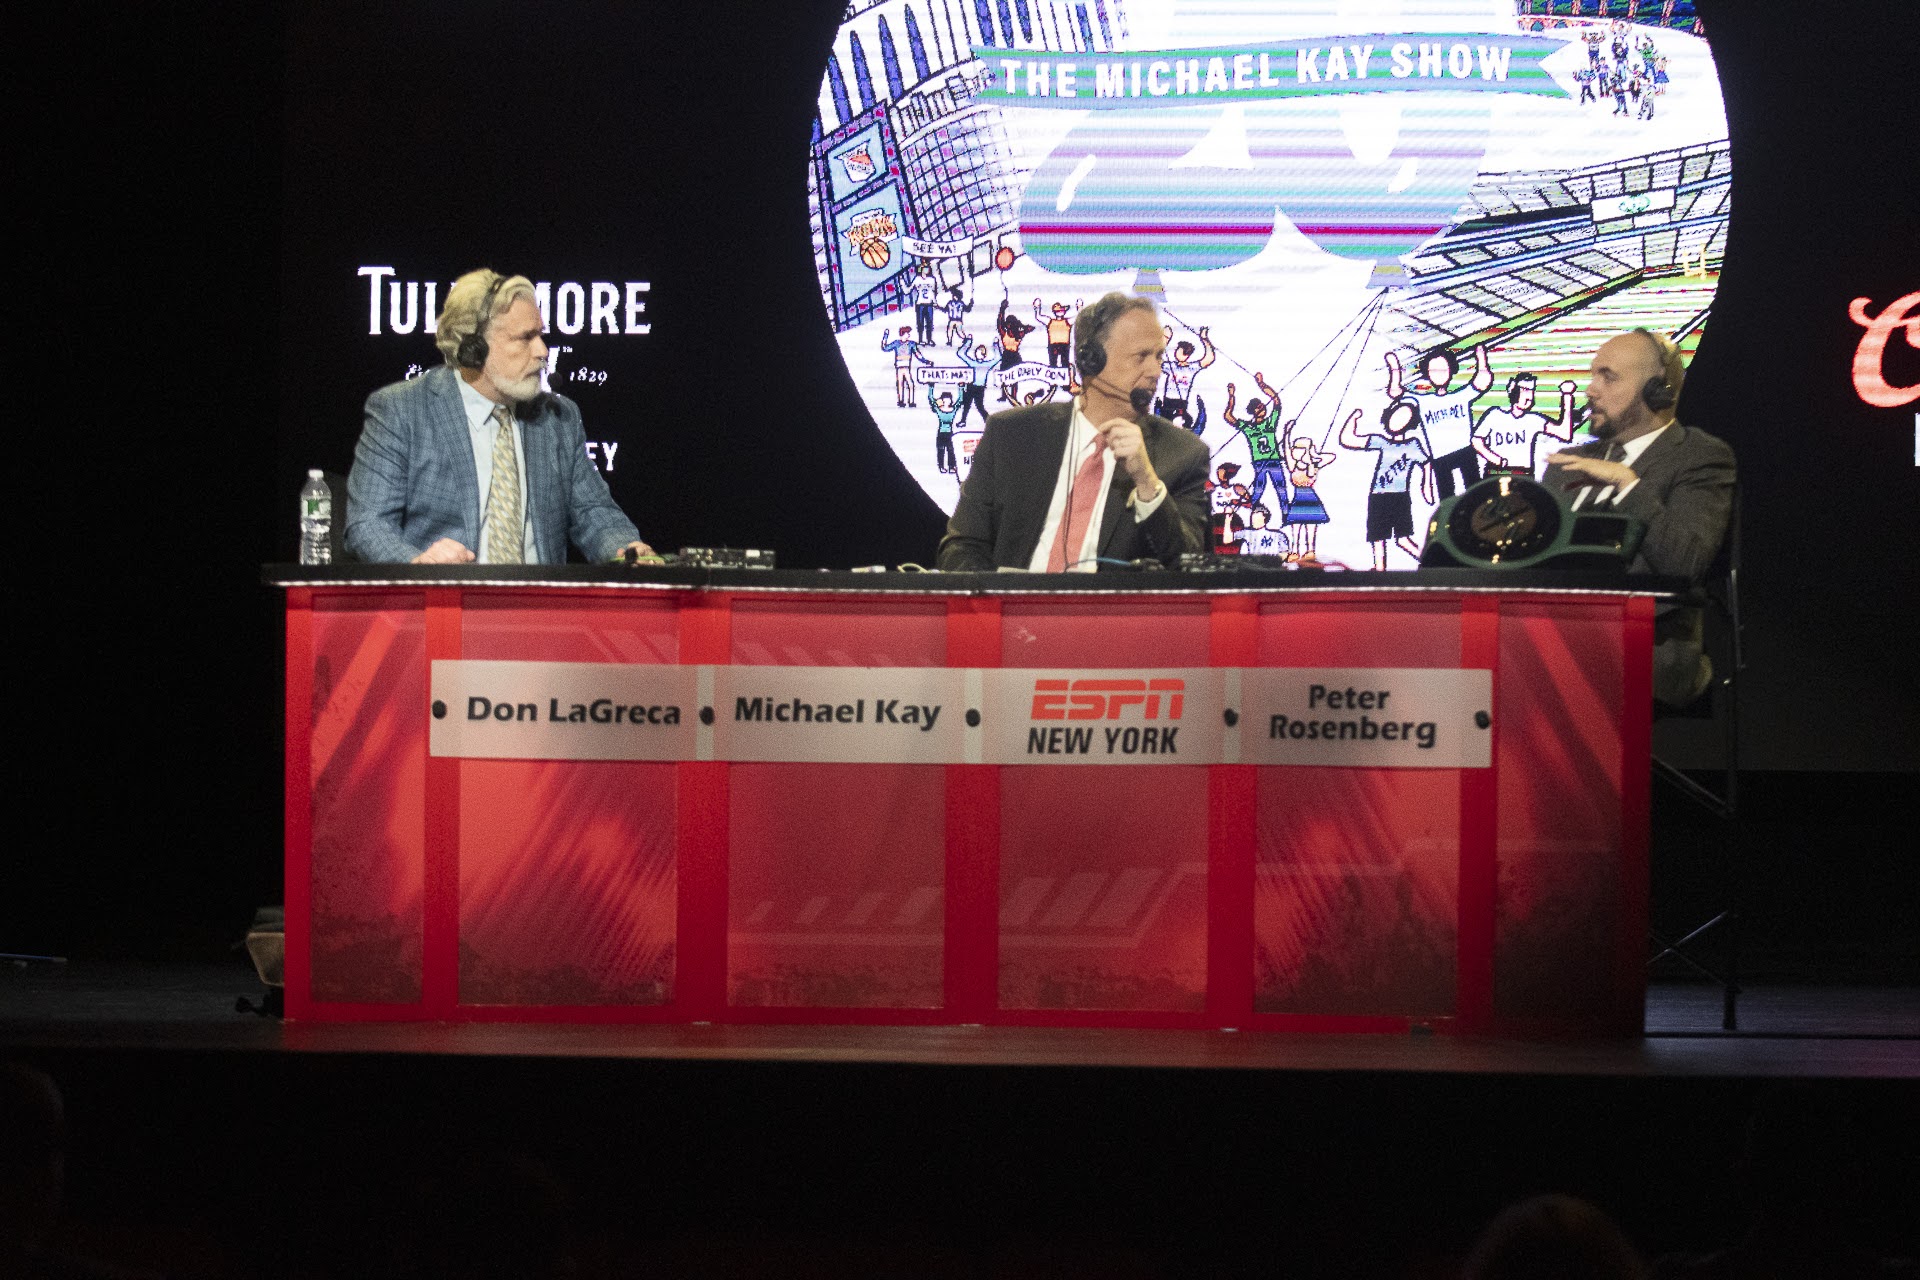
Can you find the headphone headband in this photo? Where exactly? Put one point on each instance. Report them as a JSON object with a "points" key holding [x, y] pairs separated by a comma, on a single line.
{"points": [[472, 352]]}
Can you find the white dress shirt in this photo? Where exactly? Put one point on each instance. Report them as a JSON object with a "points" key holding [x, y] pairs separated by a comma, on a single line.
{"points": [[1081, 559], [481, 430]]}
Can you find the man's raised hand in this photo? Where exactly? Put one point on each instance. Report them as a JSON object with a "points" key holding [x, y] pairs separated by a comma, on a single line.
{"points": [[1129, 445]]}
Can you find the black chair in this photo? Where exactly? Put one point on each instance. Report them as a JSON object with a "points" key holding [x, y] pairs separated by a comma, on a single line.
{"points": [[1720, 601]]}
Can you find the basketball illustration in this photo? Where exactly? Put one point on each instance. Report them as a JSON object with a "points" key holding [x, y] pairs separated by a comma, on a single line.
{"points": [[875, 253]]}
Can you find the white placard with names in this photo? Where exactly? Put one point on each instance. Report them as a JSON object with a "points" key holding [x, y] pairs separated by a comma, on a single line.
{"points": [[849, 715], [1360, 717], [1367, 717], [562, 710]]}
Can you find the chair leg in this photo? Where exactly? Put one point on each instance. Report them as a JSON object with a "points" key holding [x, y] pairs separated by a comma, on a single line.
{"points": [[1676, 947], [1718, 806], [1730, 987]]}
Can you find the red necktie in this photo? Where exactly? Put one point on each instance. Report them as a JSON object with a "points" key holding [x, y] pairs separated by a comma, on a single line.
{"points": [[1086, 492]]}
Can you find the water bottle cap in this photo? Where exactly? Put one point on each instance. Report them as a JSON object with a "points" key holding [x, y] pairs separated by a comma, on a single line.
{"points": [[315, 474]]}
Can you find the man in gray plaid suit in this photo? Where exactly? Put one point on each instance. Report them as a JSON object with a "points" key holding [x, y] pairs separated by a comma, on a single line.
{"points": [[473, 461]]}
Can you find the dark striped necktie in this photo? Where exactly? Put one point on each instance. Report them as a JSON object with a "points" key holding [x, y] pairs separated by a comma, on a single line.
{"points": [[1590, 495]]}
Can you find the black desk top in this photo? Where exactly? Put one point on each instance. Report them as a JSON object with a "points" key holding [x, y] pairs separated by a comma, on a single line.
{"points": [[1143, 582]]}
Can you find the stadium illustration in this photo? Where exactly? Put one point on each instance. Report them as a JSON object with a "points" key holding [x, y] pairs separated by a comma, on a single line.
{"points": [[1461, 243]]}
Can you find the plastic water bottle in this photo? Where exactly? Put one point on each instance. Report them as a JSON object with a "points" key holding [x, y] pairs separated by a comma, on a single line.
{"points": [[316, 520]]}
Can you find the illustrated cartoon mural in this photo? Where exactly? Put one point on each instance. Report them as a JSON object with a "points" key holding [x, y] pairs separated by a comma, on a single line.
{"points": [[1426, 213]]}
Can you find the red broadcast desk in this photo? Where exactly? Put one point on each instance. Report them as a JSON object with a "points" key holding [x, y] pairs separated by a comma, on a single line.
{"points": [[589, 794]]}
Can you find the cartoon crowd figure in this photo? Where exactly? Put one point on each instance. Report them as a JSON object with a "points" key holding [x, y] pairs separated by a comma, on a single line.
{"points": [[1401, 456], [1261, 428], [1257, 539], [923, 288], [980, 364], [906, 352], [1013, 331], [1177, 373], [944, 411], [1508, 439], [956, 307], [1226, 501], [1059, 327], [1445, 413], [1305, 511], [1634, 77]]}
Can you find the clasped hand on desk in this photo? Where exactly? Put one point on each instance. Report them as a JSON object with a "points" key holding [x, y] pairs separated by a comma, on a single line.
{"points": [[452, 551]]}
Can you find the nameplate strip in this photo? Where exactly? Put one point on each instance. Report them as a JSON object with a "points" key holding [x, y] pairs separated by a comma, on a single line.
{"points": [[1361, 717]]}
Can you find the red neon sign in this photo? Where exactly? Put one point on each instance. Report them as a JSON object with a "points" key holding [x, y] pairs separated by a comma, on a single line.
{"points": [[1869, 377]]}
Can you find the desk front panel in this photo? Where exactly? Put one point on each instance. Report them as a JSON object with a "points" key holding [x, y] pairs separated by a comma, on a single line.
{"points": [[1144, 895]]}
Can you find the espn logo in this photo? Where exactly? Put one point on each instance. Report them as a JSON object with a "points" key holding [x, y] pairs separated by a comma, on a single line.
{"points": [[1106, 699]]}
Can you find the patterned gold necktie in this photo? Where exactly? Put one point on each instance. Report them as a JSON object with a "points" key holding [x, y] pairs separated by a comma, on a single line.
{"points": [[504, 524]]}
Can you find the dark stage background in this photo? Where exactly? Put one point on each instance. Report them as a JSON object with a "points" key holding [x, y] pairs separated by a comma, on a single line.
{"points": [[208, 180]]}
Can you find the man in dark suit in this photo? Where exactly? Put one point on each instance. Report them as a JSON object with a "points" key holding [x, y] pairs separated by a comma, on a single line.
{"points": [[474, 461], [1062, 486], [1677, 478]]}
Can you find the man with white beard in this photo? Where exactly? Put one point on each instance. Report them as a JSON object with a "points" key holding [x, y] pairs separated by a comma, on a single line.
{"points": [[473, 461]]}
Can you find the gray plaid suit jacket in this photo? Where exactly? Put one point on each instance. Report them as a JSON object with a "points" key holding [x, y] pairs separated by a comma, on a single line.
{"points": [[413, 481]]}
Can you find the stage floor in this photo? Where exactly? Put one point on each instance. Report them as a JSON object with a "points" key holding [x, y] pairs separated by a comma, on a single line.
{"points": [[1797, 1031], [204, 1133]]}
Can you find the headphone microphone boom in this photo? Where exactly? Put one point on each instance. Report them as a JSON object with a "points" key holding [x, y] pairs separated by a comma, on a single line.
{"points": [[1138, 397]]}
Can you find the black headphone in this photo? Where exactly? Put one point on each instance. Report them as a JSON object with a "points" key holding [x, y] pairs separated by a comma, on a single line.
{"points": [[1658, 394], [472, 352], [1090, 355], [1090, 332]]}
